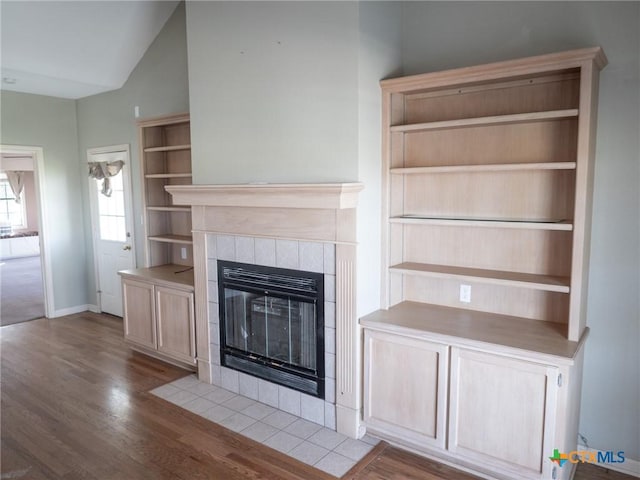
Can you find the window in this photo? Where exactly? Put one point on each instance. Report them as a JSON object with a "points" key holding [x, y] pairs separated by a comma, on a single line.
{"points": [[111, 211], [12, 214]]}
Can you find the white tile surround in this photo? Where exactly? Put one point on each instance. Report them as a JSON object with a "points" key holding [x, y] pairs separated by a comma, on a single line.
{"points": [[304, 440], [292, 254]]}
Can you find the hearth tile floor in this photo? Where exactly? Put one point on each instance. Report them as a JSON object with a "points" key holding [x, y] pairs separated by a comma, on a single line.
{"points": [[305, 441]]}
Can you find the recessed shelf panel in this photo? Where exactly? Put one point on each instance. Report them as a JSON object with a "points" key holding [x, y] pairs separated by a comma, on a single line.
{"points": [[545, 224], [492, 120], [168, 175], [527, 280], [167, 148], [184, 239], [168, 209], [511, 194], [498, 167]]}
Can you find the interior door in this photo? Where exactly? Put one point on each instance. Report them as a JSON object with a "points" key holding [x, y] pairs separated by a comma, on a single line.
{"points": [[112, 229]]}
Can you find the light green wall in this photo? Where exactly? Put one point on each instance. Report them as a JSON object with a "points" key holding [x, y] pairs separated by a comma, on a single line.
{"points": [[159, 86], [273, 89], [50, 123], [379, 56], [441, 35]]}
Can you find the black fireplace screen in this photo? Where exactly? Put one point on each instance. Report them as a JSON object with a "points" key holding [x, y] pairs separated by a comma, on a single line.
{"points": [[271, 324]]}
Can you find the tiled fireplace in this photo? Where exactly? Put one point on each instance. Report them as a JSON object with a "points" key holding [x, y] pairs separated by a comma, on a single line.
{"points": [[286, 254], [300, 228]]}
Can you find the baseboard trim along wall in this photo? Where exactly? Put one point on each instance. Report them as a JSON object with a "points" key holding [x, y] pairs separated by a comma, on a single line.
{"points": [[71, 310]]}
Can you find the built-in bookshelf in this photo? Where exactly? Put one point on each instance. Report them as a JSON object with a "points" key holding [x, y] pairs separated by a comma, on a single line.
{"points": [[159, 318], [476, 356], [486, 181], [166, 160]]}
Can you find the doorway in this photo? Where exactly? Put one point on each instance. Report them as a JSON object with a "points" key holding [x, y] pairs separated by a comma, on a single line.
{"points": [[111, 218], [26, 286]]}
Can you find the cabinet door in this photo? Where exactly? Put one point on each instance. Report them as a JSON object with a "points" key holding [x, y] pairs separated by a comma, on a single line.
{"points": [[502, 412], [406, 387], [139, 313], [175, 319]]}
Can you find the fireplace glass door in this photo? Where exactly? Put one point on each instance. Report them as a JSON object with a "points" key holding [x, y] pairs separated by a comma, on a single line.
{"points": [[282, 329], [272, 324]]}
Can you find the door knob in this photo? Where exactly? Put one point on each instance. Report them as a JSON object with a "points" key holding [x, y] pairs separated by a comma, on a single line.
{"points": [[127, 247]]}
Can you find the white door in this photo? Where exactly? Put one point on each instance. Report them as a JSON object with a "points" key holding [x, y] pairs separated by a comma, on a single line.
{"points": [[112, 229]]}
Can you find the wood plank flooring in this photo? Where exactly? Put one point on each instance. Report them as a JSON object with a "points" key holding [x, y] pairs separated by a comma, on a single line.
{"points": [[75, 405]]}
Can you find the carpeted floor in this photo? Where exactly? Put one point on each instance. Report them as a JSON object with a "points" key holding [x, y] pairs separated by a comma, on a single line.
{"points": [[21, 291]]}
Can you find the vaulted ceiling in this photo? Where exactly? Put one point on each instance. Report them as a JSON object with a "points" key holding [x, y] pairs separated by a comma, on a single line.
{"points": [[73, 49]]}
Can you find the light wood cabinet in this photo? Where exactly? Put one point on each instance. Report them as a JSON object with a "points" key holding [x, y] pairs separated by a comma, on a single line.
{"points": [[502, 412], [139, 313], [487, 186], [159, 313], [496, 409], [175, 322], [165, 158], [413, 403]]}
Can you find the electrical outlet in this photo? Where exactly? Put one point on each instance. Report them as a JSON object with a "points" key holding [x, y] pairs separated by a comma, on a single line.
{"points": [[465, 293], [183, 253]]}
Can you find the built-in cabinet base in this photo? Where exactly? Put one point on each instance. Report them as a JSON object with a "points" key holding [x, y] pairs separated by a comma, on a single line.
{"points": [[457, 400], [159, 313]]}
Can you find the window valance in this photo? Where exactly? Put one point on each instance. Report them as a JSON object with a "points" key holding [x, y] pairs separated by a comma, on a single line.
{"points": [[103, 171]]}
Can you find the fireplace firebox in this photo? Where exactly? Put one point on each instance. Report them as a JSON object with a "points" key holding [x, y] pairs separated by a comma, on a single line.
{"points": [[272, 324]]}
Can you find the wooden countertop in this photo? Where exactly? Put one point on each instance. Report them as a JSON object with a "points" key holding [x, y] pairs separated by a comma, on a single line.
{"points": [[170, 275], [544, 341]]}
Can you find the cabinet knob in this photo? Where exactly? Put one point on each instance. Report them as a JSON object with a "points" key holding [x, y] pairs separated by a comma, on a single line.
{"points": [[127, 247]]}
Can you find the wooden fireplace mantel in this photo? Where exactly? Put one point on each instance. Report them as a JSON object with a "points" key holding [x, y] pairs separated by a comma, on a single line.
{"points": [[335, 196], [322, 212]]}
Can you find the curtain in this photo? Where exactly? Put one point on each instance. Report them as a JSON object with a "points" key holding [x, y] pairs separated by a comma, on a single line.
{"points": [[16, 182], [103, 171]]}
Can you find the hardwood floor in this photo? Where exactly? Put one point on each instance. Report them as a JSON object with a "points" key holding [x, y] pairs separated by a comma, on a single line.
{"points": [[75, 406]]}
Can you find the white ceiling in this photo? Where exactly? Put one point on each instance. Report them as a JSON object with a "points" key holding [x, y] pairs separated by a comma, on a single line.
{"points": [[73, 49]]}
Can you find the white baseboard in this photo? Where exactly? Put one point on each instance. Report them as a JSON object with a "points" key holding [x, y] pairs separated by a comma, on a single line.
{"points": [[629, 466], [93, 308], [70, 310]]}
